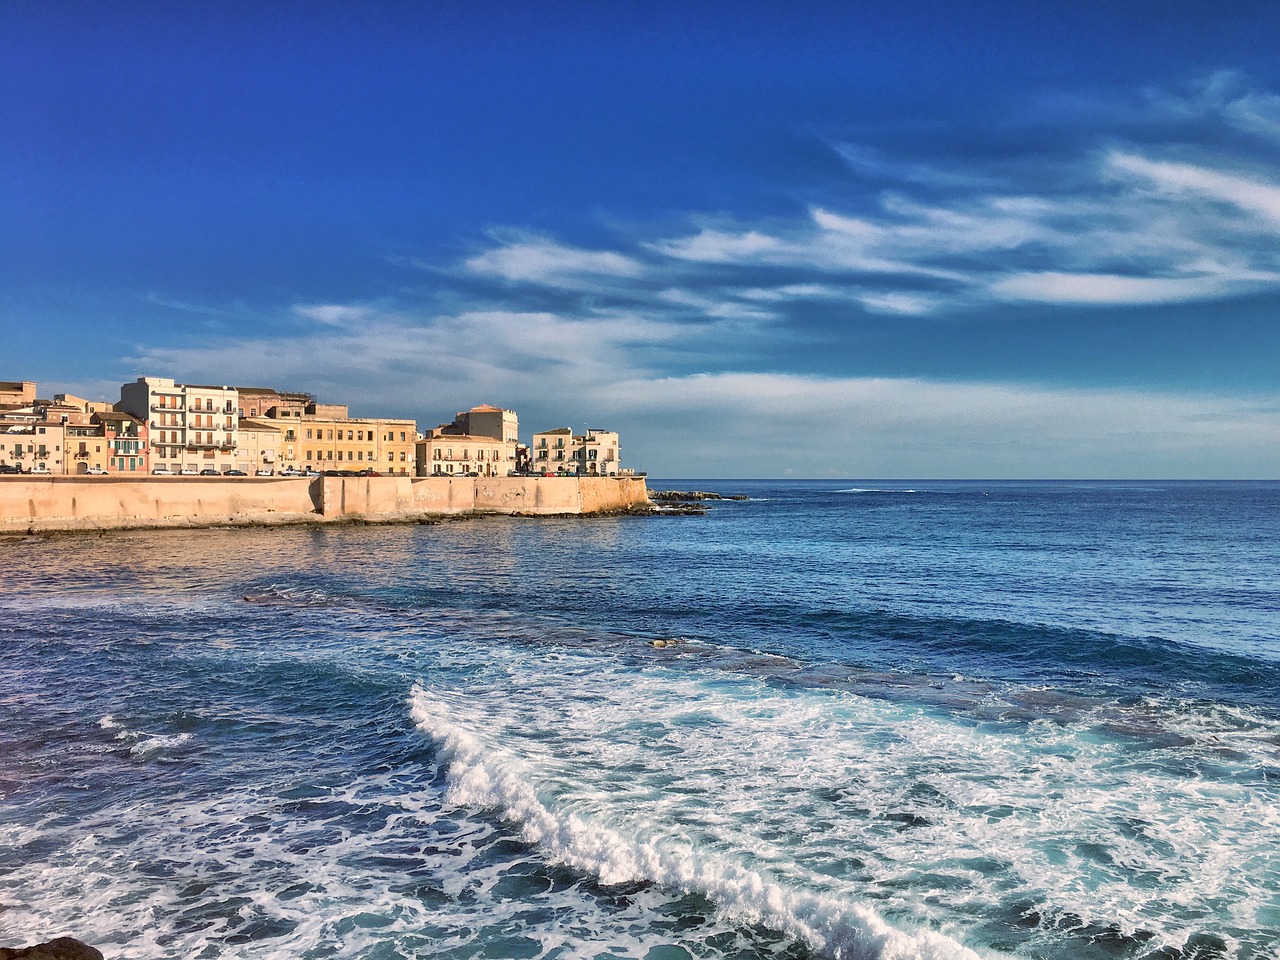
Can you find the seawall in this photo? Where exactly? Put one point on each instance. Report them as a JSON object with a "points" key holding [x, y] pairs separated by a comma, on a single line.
{"points": [[99, 503]]}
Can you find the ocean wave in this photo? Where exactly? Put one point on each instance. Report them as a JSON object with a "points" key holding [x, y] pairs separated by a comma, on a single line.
{"points": [[875, 490], [142, 744], [480, 776]]}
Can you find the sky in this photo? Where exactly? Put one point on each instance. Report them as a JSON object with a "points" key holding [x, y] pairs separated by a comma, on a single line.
{"points": [[855, 240]]}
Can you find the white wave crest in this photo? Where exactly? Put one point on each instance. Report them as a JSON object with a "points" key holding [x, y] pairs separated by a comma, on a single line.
{"points": [[485, 776]]}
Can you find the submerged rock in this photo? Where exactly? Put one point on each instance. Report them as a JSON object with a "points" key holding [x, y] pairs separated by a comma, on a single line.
{"points": [[60, 948]]}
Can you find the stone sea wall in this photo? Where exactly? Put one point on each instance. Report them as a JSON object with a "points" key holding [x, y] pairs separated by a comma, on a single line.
{"points": [[91, 503]]}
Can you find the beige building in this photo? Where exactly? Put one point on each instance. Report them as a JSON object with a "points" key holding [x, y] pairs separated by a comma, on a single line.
{"points": [[17, 393], [595, 453], [483, 422], [329, 439], [260, 443], [454, 455], [193, 427]]}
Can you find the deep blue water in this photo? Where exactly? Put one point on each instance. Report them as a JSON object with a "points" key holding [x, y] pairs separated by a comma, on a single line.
{"points": [[840, 719]]}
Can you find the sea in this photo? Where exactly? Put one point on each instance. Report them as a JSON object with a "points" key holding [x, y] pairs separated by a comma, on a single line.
{"points": [[880, 720]]}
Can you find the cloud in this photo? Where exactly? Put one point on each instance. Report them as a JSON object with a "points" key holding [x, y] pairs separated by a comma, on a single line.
{"points": [[766, 424], [1249, 195], [544, 261], [1096, 288], [554, 370], [333, 314], [718, 246]]}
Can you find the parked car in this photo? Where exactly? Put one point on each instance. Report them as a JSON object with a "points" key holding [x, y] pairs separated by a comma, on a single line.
{"points": [[292, 472], [234, 473], [161, 472], [39, 468], [208, 472], [10, 468], [95, 472], [188, 472], [266, 473]]}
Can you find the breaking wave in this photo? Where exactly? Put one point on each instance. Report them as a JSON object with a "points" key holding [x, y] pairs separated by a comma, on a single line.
{"points": [[481, 776]]}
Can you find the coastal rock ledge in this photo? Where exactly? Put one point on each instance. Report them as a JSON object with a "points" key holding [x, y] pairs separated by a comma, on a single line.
{"points": [[60, 948]]}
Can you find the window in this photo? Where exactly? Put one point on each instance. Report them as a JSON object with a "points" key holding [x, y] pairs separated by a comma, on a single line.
{"points": [[349, 437], [402, 436], [308, 433]]}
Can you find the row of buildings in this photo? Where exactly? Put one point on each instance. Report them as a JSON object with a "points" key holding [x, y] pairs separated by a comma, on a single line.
{"points": [[161, 426]]}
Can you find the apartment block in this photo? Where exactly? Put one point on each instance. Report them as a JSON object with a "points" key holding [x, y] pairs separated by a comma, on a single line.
{"points": [[462, 455], [329, 439], [594, 453], [192, 426]]}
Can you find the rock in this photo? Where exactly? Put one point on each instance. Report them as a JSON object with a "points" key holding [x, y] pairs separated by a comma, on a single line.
{"points": [[61, 948]]}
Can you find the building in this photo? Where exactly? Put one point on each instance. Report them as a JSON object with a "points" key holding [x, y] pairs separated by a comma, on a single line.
{"points": [[260, 444], [595, 453], [34, 446], [259, 402], [193, 427], [484, 422], [552, 451], [126, 441], [17, 393], [329, 439], [462, 455]]}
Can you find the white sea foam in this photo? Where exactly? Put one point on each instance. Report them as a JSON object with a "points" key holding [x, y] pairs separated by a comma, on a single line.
{"points": [[483, 775], [142, 744], [803, 808]]}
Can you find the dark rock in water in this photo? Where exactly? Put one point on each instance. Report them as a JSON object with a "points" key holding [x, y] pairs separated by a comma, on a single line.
{"points": [[61, 948], [667, 496]]}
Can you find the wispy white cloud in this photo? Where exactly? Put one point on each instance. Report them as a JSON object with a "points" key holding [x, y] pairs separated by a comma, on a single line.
{"points": [[543, 261], [1097, 288], [333, 314], [1248, 194], [719, 246]]}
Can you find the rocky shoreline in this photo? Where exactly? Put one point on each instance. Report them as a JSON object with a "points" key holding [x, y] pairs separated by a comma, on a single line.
{"points": [[685, 503], [60, 948]]}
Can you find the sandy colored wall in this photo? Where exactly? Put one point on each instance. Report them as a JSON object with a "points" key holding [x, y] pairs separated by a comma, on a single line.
{"points": [[70, 503], [75, 503]]}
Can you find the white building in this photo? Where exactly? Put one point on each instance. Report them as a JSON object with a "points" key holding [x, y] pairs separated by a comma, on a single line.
{"points": [[192, 426]]}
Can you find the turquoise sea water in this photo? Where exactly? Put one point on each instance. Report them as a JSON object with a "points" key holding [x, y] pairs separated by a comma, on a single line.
{"points": [[899, 720]]}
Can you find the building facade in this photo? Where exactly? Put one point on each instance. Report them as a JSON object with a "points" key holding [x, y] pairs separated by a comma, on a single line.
{"points": [[594, 453], [17, 393], [260, 443], [329, 439], [125, 435], [460, 455], [193, 427]]}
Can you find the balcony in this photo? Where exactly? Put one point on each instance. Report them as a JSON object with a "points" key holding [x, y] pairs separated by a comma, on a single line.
{"points": [[159, 408], [82, 455]]}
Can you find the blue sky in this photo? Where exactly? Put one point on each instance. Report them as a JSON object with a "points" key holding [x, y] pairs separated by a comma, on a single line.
{"points": [[854, 240]]}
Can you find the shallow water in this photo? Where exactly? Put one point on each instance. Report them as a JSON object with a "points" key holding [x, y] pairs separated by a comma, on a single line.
{"points": [[894, 720]]}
